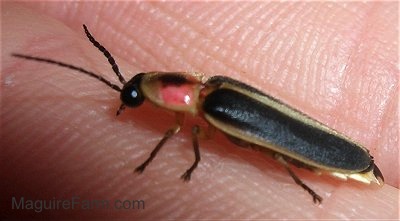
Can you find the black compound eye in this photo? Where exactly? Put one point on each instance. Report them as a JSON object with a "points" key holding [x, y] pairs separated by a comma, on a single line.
{"points": [[131, 95]]}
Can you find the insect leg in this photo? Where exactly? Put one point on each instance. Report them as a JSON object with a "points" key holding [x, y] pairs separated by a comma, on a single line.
{"points": [[316, 197], [197, 132], [168, 134], [188, 173]]}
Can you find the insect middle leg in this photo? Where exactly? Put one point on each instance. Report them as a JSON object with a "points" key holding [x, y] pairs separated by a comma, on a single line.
{"points": [[168, 134], [197, 132]]}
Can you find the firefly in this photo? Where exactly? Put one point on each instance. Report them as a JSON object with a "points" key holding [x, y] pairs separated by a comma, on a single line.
{"points": [[247, 116]]}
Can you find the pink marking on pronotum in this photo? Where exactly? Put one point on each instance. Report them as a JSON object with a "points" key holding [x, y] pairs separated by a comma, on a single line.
{"points": [[177, 95]]}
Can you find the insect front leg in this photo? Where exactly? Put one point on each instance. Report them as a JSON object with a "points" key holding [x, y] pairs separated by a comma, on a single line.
{"points": [[197, 133], [316, 197], [168, 134]]}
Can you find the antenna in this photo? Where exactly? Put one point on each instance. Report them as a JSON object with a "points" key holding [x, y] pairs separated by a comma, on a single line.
{"points": [[107, 54], [62, 64], [89, 73]]}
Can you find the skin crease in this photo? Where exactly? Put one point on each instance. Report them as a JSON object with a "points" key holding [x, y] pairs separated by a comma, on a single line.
{"points": [[60, 137]]}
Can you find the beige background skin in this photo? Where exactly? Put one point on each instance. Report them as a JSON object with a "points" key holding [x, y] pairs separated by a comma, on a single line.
{"points": [[60, 137]]}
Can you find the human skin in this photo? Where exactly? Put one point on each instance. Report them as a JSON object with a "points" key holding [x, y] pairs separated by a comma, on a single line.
{"points": [[60, 137]]}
